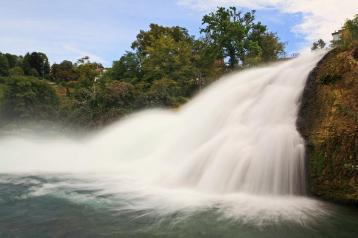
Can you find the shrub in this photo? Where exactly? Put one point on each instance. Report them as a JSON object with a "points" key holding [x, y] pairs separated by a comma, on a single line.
{"points": [[27, 98], [163, 92], [16, 71]]}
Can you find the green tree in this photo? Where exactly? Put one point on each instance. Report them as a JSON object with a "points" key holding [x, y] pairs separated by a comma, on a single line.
{"points": [[145, 39], [88, 72], [118, 94], [16, 71], [164, 92], [36, 61], [272, 47], [319, 44], [227, 30], [237, 37], [350, 32], [111, 100], [33, 72], [28, 98], [207, 66], [4, 65], [167, 52], [13, 60], [63, 72], [262, 45], [127, 68]]}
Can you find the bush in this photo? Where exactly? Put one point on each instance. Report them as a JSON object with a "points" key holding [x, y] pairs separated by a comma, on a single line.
{"points": [[16, 71], [27, 98], [163, 93], [2, 93], [349, 34]]}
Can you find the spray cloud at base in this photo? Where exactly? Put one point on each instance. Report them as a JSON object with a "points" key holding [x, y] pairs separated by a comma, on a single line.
{"points": [[234, 146]]}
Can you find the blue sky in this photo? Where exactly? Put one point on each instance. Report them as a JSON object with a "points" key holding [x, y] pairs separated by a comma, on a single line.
{"points": [[104, 29]]}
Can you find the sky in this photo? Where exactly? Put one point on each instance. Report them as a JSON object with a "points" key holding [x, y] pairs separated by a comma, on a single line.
{"points": [[105, 29]]}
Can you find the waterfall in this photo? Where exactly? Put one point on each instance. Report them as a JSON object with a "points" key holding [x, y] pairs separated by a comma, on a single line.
{"points": [[237, 136]]}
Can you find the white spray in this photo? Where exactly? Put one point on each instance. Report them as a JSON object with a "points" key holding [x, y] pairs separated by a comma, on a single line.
{"points": [[237, 137]]}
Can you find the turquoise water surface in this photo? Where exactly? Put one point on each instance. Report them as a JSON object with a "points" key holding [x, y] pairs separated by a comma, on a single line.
{"points": [[31, 207]]}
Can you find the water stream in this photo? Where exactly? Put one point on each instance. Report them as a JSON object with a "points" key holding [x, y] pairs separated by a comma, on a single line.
{"points": [[228, 164]]}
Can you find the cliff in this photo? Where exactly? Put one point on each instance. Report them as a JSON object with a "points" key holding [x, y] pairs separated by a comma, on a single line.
{"points": [[328, 121]]}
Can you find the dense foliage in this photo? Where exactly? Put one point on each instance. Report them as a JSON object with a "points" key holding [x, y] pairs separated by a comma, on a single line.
{"points": [[349, 34], [27, 98], [239, 38], [320, 44], [165, 67]]}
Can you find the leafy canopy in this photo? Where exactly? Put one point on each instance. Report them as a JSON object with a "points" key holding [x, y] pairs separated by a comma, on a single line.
{"points": [[236, 36]]}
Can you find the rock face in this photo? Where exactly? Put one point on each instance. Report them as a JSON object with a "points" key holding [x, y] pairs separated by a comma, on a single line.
{"points": [[328, 121]]}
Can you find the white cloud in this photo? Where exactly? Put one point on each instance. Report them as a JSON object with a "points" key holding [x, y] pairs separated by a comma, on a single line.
{"points": [[320, 17]]}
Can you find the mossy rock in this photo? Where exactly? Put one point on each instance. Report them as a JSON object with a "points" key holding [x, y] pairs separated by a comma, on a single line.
{"points": [[355, 53], [330, 78], [328, 121]]}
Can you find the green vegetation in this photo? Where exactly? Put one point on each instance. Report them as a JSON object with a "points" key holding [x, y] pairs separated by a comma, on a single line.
{"points": [[236, 36], [349, 35], [320, 44], [328, 121], [25, 98], [165, 67]]}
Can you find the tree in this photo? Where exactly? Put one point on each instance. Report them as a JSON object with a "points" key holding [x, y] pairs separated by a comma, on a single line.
{"points": [[29, 98], [13, 60], [206, 64], [16, 71], [168, 58], [352, 26], [88, 71], [166, 52], [145, 39], [127, 68], [227, 29], [4, 65], [111, 100], [320, 44], [272, 47], [263, 45], [36, 61], [237, 37], [350, 32], [63, 72], [163, 92]]}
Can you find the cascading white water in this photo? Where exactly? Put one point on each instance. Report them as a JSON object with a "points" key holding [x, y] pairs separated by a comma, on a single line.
{"points": [[238, 136]]}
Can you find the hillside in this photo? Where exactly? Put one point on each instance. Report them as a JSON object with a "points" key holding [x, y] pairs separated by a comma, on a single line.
{"points": [[328, 120]]}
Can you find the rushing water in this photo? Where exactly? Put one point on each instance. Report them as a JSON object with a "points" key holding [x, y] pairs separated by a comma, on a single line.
{"points": [[228, 164], [66, 206]]}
